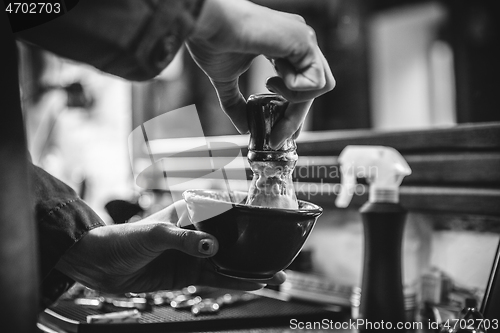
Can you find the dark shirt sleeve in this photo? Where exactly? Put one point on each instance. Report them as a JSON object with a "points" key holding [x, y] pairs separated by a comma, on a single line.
{"points": [[134, 39], [62, 219]]}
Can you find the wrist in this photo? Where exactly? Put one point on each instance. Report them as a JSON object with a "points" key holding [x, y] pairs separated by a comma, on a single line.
{"points": [[221, 24], [79, 262], [207, 23]]}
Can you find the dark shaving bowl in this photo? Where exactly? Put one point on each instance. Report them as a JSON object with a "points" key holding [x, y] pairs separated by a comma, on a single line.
{"points": [[254, 242]]}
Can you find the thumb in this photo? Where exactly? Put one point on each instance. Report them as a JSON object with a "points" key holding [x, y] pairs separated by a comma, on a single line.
{"points": [[291, 123], [195, 243]]}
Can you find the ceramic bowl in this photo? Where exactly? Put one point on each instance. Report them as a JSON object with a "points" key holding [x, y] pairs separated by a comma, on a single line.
{"points": [[254, 242]]}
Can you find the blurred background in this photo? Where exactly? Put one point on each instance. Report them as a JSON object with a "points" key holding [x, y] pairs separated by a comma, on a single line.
{"points": [[399, 65]]}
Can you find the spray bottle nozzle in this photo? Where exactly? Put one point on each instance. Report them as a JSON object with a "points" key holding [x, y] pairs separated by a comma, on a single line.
{"points": [[383, 167]]}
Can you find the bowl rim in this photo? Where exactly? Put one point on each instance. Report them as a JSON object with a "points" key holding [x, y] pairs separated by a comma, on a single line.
{"points": [[315, 210]]}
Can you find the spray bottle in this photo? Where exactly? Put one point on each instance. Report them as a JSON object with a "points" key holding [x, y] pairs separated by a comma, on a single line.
{"points": [[382, 300]]}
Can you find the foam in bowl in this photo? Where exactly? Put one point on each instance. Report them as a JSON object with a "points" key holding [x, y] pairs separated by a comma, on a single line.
{"points": [[210, 203]]}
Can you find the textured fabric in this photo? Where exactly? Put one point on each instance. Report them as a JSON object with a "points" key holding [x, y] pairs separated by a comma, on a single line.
{"points": [[134, 39], [62, 219]]}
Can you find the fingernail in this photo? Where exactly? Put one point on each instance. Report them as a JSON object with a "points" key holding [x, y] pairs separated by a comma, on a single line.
{"points": [[206, 246]]}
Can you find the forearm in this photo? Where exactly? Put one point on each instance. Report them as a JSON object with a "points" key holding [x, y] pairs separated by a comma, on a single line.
{"points": [[134, 39]]}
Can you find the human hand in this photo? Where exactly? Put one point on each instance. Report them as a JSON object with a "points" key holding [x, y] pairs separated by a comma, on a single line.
{"points": [[149, 255], [230, 34]]}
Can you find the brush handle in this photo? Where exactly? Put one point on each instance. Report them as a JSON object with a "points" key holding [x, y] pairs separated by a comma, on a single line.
{"points": [[263, 112]]}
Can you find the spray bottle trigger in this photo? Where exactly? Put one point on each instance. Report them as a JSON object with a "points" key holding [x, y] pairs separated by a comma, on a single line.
{"points": [[347, 185]]}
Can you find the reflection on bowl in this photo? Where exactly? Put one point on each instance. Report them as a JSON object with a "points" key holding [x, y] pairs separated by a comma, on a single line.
{"points": [[254, 242]]}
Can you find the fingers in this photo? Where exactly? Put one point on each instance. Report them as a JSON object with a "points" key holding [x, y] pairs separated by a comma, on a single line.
{"points": [[297, 58], [160, 232], [165, 236], [214, 279], [277, 279], [298, 86], [311, 79], [300, 99], [246, 30]]}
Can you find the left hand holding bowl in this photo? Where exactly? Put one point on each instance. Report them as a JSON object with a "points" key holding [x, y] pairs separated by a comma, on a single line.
{"points": [[149, 255]]}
